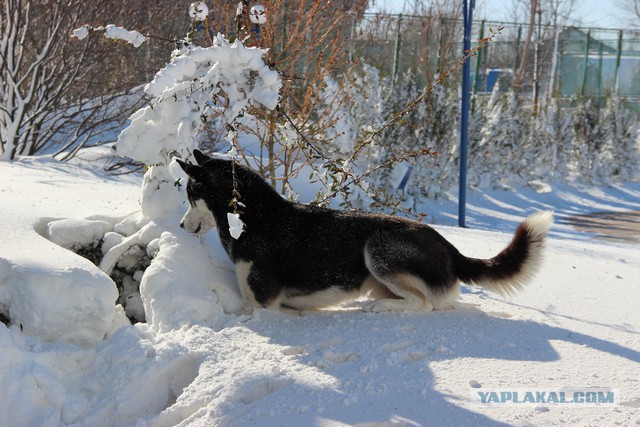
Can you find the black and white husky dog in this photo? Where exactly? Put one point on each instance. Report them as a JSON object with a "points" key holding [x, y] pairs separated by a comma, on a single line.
{"points": [[295, 256]]}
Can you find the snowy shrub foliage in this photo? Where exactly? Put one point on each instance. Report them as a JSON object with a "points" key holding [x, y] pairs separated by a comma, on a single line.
{"points": [[225, 76], [141, 252], [343, 131], [198, 79], [508, 145], [620, 130], [92, 238]]}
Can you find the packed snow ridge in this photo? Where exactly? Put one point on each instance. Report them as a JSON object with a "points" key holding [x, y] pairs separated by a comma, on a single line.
{"points": [[71, 357]]}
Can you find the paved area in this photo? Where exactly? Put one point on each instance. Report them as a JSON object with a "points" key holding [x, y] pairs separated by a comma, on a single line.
{"points": [[612, 226]]}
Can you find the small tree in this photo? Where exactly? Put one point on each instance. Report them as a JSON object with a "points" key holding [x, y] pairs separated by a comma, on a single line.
{"points": [[227, 77], [587, 138], [618, 157], [307, 42], [57, 93], [550, 140]]}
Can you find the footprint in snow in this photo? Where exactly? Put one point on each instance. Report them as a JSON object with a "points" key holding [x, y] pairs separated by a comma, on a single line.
{"points": [[414, 356], [331, 343], [396, 346], [500, 314], [293, 350], [399, 356], [340, 357], [261, 388]]}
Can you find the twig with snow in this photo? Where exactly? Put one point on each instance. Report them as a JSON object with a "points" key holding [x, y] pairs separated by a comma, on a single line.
{"points": [[112, 31]]}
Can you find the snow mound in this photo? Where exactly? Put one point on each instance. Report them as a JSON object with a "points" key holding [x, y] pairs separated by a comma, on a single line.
{"points": [[62, 383], [540, 186], [185, 286], [575, 325], [166, 278], [73, 233], [169, 279], [74, 302]]}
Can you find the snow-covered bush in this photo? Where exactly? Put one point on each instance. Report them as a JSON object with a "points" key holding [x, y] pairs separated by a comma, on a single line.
{"points": [[497, 158], [588, 139], [437, 174], [509, 146], [396, 151], [344, 120], [341, 131], [150, 258], [197, 80], [225, 75], [550, 141], [619, 157]]}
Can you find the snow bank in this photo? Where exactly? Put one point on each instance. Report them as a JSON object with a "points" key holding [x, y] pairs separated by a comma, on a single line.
{"points": [[74, 303], [131, 375], [61, 297], [185, 286], [73, 232], [575, 325]]}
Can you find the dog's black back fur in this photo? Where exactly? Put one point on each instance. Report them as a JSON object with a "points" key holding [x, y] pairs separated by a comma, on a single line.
{"points": [[305, 247]]}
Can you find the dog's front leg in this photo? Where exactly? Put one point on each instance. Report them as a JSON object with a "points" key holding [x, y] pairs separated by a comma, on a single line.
{"points": [[243, 269], [257, 290]]}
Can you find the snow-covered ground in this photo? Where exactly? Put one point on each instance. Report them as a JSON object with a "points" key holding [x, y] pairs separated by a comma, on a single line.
{"points": [[74, 363]]}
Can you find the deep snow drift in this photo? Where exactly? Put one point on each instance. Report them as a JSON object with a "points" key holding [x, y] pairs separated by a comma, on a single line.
{"points": [[70, 356]]}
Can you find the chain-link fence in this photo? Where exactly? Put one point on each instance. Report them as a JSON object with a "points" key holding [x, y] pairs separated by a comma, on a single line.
{"points": [[562, 61]]}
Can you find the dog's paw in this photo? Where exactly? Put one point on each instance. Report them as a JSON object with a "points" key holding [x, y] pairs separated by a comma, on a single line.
{"points": [[247, 308], [385, 305], [370, 307]]}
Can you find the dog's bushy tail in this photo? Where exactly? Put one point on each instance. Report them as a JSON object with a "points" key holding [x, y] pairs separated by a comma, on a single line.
{"points": [[512, 268]]}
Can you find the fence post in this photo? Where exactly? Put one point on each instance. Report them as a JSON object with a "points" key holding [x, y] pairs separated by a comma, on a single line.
{"points": [[439, 57], [600, 54], [517, 64], [467, 11], [536, 63], [396, 54], [478, 81], [586, 63], [618, 57], [551, 88]]}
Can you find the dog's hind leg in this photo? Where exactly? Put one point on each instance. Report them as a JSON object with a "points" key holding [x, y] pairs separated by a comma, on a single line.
{"points": [[413, 265], [376, 290], [408, 294], [399, 289]]}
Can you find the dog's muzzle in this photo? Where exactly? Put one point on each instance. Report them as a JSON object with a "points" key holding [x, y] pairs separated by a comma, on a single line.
{"points": [[198, 219], [196, 231]]}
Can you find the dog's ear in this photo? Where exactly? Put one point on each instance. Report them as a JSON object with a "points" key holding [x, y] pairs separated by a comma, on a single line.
{"points": [[200, 156], [189, 169]]}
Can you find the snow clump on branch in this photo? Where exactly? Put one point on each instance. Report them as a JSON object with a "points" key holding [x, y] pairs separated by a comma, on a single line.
{"points": [[111, 32], [198, 78]]}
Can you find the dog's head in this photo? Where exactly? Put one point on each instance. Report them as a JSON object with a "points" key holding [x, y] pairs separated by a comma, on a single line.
{"points": [[199, 218]]}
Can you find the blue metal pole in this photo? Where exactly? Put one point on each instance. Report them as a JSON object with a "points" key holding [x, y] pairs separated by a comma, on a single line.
{"points": [[467, 11]]}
